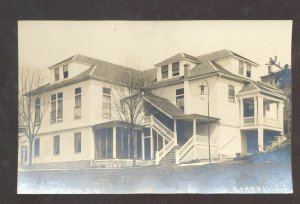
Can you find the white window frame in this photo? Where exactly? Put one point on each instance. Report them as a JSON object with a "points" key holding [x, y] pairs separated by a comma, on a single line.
{"points": [[180, 96], [230, 98], [106, 105]]}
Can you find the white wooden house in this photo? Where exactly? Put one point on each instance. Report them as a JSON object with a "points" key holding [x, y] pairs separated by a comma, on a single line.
{"points": [[80, 128]]}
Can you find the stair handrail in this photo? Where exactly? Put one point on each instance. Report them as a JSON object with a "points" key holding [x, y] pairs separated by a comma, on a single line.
{"points": [[162, 127], [162, 153], [185, 148]]}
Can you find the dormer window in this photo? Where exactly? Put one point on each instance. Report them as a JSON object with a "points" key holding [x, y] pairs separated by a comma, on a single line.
{"points": [[241, 68], [175, 69], [56, 74], [164, 72], [66, 72], [248, 70]]}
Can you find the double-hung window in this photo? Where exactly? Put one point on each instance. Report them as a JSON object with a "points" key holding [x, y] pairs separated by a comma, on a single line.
{"points": [[36, 147], [56, 145], [37, 115], [77, 109], [59, 106], [231, 93], [241, 68], [106, 102], [180, 98], [56, 74], [164, 72], [53, 108], [77, 142], [56, 107], [175, 69], [66, 71], [248, 70]]}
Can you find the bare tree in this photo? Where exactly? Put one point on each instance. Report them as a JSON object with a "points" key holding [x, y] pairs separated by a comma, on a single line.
{"points": [[127, 101], [32, 104]]}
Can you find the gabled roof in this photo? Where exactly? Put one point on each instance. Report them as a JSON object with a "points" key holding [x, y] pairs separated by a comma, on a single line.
{"points": [[260, 86], [164, 105], [179, 56], [98, 69], [208, 63], [102, 69]]}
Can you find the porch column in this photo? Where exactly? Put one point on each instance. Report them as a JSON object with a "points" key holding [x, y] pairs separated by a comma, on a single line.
{"points": [[280, 115], [194, 127], [175, 132], [260, 137], [92, 143], [255, 110], [114, 142], [143, 145], [260, 109], [242, 112], [151, 143]]}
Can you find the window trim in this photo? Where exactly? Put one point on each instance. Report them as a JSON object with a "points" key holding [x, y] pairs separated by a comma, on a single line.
{"points": [[180, 96], [56, 74], [107, 95], [62, 107], [177, 69], [248, 70], [166, 72], [80, 140], [229, 98], [241, 67], [66, 72], [77, 107], [39, 147], [56, 136], [37, 107]]}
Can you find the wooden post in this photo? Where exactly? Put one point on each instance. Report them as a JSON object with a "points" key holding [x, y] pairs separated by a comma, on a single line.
{"points": [[242, 112], [260, 138], [175, 133], [151, 143], [255, 110], [143, 145], [194, 126], [114, 143]]}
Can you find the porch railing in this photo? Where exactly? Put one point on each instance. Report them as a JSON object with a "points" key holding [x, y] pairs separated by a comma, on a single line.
{"points": [[193, 141], [185, 148], [271, 122], [162, 128], [162, 153], [158, 126]]}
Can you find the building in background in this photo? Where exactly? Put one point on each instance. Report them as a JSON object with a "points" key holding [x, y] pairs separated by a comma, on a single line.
{"points": [[281, 78]]}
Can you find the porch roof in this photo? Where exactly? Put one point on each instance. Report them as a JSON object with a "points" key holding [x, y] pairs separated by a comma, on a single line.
{"points": [[164, 106], [173, 111], [112, 124], [203, 118], [262, 87]]}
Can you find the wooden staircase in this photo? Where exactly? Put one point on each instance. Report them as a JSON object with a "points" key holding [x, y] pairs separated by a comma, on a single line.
{"points": [[278, 142], [170, 158]]}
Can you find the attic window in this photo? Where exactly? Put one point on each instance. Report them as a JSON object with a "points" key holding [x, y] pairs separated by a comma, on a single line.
{"points": [[56, 74], [164, 72], [241, 68], [175, 69], [248, 70], [66, 72]]}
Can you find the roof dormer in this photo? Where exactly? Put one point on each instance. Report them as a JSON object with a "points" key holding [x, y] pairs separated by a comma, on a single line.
{"points": [[175, 66], [67, 69]]}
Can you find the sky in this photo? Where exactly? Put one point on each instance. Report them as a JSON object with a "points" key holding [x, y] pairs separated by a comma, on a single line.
{"points": [[44, 43]]}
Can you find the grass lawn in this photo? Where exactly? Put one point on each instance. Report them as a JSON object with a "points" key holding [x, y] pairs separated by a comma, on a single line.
{"points": [[228, 177]]}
